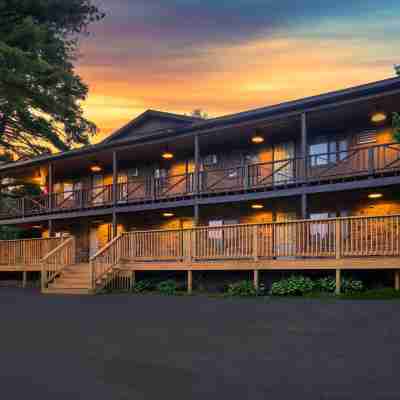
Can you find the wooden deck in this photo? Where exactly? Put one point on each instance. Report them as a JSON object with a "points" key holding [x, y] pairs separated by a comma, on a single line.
{"points": [[361, 263]]}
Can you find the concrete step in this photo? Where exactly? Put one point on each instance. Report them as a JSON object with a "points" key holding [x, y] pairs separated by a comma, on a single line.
{"points": [[68, 291], [69, 285]]}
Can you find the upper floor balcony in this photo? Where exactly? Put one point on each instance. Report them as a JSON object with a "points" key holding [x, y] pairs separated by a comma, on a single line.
{"points": [[315, 169]]}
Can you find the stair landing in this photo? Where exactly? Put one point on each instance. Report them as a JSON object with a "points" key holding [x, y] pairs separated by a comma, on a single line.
{"points": [[73, 280]]}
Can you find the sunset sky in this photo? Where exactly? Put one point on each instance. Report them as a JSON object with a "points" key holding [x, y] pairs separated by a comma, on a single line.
{"points": [[229, 56]]}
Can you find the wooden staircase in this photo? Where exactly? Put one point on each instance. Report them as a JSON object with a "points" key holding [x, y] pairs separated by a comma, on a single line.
{"points": [[74, 279]]}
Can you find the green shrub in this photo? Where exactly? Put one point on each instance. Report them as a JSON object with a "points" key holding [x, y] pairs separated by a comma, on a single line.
{"points": [[292, 286], [352, 286], [243, 289], [167, 288], [326, 285], [142, 286]]}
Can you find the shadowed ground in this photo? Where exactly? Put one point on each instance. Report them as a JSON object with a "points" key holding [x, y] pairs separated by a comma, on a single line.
{"points": [[153, 347]]}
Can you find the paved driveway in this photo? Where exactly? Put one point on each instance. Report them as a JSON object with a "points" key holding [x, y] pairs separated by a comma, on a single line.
{"points": [[153, 347]]}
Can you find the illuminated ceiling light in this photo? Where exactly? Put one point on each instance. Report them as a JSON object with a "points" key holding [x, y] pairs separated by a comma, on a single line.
{"points": [[375, 195], [378, 117], [96, 168], [168, 214], [257, 139], [257, 206], [37, 226], [167, 155]]}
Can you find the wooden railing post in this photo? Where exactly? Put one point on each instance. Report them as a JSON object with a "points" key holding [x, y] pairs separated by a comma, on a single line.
{"points": [[338, 239], [255, 242], [371, 161]]}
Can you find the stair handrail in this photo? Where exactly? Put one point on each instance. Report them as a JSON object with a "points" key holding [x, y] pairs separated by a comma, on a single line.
{"points": [[96, 275], [48, 274]]}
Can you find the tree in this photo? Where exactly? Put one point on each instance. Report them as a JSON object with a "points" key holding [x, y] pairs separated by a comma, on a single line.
{"points": [[199, 113], [40, 93]]}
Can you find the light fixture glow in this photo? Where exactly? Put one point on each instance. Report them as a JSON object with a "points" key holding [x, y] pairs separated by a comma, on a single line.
{"points": [[168, 214], [257, 206], [96, 168], [167, 155], [378, 117], [375, 195], [257, 139], [37, 226]]}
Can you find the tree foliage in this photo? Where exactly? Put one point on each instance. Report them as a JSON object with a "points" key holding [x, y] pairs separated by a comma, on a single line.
{"points": [[40, 93]]}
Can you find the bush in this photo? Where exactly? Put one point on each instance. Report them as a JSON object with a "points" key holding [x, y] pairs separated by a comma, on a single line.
{"points": [[350, 286], [167, 288], [299, 286], [243, 289], [326, 285], [292, 286], [142, 286]]}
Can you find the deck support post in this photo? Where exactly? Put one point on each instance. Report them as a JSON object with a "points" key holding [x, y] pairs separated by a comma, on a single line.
{"points": [[255, 279], [397, 279], [189, 281], [24, 279], [338, 282]]}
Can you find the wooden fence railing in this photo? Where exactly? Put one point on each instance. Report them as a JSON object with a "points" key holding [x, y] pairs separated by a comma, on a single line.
{"points": [[104, 262], [26, 252], [57, 260], [315, 168], [323, 238]]}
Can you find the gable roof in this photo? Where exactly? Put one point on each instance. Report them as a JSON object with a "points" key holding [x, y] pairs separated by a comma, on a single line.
{"points": [[169, 120]]}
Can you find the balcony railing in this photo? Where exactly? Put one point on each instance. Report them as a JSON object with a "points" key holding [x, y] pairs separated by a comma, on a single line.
{"points": [[363, 161], [325, 239]]}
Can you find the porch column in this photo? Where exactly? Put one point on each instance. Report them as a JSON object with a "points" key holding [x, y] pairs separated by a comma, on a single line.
{"points": [[115, 179], [50, 184], [51, 228], [397, 279], [196, 179], [304, 145], [338, 281], [114, 225], [24, 279], [304, 206]]}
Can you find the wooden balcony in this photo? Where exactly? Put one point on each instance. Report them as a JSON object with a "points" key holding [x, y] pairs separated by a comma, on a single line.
{"points": [[337, 243], [318, 169]]}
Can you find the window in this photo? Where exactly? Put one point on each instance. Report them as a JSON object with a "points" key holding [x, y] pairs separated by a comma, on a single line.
{"points": [[215, 233], [160, 173], [251, 158], [211, 159], [366, 137], [318, 153], [324, 151], [132, 173]]}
